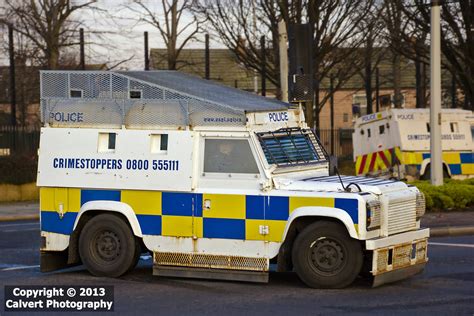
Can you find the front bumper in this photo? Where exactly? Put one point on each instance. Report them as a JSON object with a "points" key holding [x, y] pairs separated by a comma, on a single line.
{"points": [[399, 256]]}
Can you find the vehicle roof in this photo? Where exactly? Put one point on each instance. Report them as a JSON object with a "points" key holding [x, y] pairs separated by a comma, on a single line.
{"points": [[208, 90], [168, 98], [391, 114]]}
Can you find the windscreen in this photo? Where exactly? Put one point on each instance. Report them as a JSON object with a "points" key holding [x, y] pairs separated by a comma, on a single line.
{"points": [[291, 146]]}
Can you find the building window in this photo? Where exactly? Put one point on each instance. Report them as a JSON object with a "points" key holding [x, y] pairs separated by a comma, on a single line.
{"points": [[359, 104], [75, 93], [385, 100], [345, 117], [135, 94]]}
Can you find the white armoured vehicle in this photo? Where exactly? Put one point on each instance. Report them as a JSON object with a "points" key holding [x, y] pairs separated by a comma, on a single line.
{"points": [[396, 143], [213, 181]]}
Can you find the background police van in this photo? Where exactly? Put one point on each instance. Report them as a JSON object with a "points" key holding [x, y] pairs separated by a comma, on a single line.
{"points": [[396, 143], [213, 181]]}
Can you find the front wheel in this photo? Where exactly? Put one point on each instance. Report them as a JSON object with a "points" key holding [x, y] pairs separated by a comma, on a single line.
{"points": [[325, 256], [107, 246]]}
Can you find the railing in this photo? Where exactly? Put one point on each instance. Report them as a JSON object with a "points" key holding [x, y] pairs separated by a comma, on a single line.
{"points": [[342, 142], [19, 140], [25, 140]]}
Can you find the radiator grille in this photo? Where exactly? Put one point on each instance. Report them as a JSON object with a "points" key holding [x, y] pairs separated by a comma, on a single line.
{"points": [[401, 215], [211, 261]]}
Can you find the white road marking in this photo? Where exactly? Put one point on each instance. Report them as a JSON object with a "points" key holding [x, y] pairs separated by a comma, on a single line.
{"points": [[450, 245], [13, 225], [18, 230], [20, 268]]}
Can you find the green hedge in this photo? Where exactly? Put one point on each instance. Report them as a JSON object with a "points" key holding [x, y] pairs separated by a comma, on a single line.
{"points": [[18, 169], [452, 195]]}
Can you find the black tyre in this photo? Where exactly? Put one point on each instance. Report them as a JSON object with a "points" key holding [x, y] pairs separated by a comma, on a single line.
{"points": [[325, 256], [107, 246], [427, 174], [136, 258]]}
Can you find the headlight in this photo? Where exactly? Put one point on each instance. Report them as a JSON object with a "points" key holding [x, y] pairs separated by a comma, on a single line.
{"points": [[373, 214], [420, 205]]}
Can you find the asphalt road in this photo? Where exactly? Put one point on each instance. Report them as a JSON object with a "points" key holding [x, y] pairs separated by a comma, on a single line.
{"points": [[445, 288]]}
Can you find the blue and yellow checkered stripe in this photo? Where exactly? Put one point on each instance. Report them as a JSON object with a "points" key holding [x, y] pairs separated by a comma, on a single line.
{"points": [[182, 214], [458, 162]]}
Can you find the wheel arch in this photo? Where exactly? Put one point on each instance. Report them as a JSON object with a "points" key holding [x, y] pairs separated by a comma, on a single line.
{"points": [[320, 213], [124, 209], [425, 164]]}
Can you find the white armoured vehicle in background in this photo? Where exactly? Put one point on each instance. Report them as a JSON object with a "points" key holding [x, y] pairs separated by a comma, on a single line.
{"points": [[214, 181], [396, 143]]}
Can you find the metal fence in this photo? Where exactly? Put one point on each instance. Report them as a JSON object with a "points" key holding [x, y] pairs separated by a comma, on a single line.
{"points": [[342, 148], [25, 140], [19, 140]]}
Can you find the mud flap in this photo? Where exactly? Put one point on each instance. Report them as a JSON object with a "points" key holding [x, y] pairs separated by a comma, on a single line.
{"points": [[398, 274], [54, 260], [216, 274]]}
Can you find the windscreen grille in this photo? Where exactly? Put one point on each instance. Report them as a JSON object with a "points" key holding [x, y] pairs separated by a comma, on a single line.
{"points": [[291, 146]]}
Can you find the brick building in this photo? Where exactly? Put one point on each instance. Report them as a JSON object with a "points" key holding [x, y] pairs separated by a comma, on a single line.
{"points": [[225, 68]]}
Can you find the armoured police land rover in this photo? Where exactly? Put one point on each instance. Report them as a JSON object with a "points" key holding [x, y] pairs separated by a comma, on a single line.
{"points": [[213, 181]]}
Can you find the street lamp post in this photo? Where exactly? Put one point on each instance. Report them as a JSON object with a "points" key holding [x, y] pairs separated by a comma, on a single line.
{"points": [[436, 164]]}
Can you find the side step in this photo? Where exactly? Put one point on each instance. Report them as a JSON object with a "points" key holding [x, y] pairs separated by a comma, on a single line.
{"points": [[206, 266], [216, 274]]}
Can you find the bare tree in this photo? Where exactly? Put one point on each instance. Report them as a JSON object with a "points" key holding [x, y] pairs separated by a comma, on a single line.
{"points": [[457, 38], [46, 23], [171, 18], [240, 24], [336, 36], [373, 50], [393, 17]]}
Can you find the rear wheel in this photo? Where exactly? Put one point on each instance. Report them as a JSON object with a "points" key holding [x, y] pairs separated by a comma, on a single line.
{"points": [[324, 256], [427, 174], [107, 246], [136, 258]]}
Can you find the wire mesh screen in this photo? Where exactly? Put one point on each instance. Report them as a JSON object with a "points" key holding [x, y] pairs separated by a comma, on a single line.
{"points": [[147, 91], [150, 114], [54, 85], [207, 114], [107, 99], [84, 113], [89, 86]]}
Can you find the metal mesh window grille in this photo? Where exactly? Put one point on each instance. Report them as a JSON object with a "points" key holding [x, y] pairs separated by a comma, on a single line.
{"points": [[291, 146]]}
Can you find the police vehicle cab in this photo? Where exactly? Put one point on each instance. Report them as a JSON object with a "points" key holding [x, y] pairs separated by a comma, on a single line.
{"points": [[213, 181]]}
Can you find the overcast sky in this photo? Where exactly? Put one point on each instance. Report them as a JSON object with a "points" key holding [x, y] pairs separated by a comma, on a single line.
{"points": [[124, 37], [116, 34]]}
